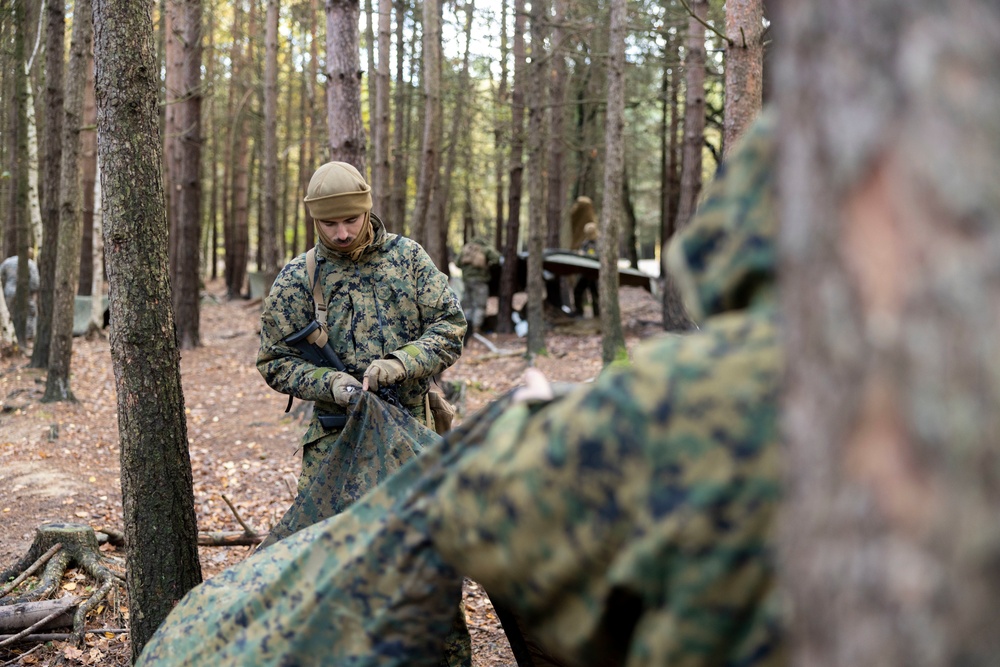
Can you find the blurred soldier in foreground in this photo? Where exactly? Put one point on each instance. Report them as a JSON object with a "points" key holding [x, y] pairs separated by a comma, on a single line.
{"points": [[627, 522]]}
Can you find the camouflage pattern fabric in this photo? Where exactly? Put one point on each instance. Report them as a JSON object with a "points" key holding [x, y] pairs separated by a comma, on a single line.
{"points": [[364, 588], [632, 521], [480, 274], [392, 302], [476, 285]]}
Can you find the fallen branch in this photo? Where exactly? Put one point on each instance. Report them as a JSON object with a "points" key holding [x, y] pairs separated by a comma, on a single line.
{"points": [[44, 558], [250, 532], [26, 614], [229, 539]]}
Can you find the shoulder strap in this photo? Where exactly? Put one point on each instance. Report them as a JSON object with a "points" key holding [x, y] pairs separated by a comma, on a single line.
{"points": [[317, 290]]}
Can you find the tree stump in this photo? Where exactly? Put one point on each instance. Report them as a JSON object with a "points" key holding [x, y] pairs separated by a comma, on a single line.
{"points": [[56, 546]]}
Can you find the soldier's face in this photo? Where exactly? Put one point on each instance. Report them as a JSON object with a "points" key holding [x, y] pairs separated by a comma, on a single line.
{"points": [[341, 233]]}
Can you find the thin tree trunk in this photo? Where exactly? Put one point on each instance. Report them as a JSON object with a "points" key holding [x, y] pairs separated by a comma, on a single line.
{"points": [[212, 256], [68, 253], [310, 126], [508, 275], [88, 170], [238, 232], [890, 248], [629, 241], [268, 238], [744, 68], [537, 85], [499, 138], [370, 86], [343, 90], [97, 256], [157, 489], [399, 158], [19, 208], [55, 35], [34, 203], [427, 179], [694, 114], [557, 222], [612, 338], [381, 176]]}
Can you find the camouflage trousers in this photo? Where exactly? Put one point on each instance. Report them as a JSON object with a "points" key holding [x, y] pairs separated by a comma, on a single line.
{"points": [[476, 294]]}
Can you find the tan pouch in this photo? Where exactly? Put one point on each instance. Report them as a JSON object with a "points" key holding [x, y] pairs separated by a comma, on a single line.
{"points": [[442, 413]]}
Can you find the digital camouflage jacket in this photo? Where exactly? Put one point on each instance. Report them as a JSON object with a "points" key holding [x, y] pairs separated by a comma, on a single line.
{"points": [[392, 302], [627, 522]]}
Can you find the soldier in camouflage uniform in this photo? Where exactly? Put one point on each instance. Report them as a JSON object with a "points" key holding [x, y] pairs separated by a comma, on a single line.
{"points": [[627, 522], [475, 261], [391, 316]]}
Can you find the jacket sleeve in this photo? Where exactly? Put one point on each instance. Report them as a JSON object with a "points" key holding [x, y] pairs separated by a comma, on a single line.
{"points": [[442, 321], [287, 309]]}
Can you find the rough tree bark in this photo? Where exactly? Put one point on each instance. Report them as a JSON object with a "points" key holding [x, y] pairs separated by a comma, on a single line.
{"points": [[612, 336], [891, 295], [427, 177], [70, 219], [55, 53], [400, 159], [694, 114], [381, 177], [157, 488], [744, 68], [270, 249], [183, 149], [343, 83]]}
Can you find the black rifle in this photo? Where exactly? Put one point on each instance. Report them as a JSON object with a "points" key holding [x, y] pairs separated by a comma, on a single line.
{"points": [[326, 357]]}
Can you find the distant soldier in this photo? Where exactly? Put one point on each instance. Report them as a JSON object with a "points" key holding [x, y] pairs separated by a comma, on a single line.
{"points": [[587, 283], [580, 214], [475, 260], [8, 277]]}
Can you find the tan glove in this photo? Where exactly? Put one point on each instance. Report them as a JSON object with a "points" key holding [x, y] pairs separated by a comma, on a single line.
{"points": [[343, 387], [383, 372]]}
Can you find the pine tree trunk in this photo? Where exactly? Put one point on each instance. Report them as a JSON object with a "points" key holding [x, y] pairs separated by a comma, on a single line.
{"points": [[22, 226], [55, 35], [268, 239], [157, 487], [890, 299], [557, 228], [343, 89], [381, 174], [612, 336], [399, 159], [238, 232], [694, 114], [499, 139], [538, 228], [508, 275], [70, 215], [744, 68], [88, 169], [427, 177]]}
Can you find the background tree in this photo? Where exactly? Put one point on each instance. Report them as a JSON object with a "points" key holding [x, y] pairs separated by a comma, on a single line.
{"points": [[613, 339], [183, 156], [237, 165], [19, 208], [157, 486], [381, 173], [744, 67], [70, 215], [427, 175], [343, 88], [694, 113], [269, 227], [890, 244], [55, 54], [537, 75]]}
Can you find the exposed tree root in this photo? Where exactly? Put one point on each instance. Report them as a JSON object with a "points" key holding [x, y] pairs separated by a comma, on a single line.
{"points": [[55, 547]]}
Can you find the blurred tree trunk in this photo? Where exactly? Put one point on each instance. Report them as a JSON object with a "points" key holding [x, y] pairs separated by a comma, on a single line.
{"points": [[630, 242], [694, 114], [381, 175], [508, 275], [499, 125], [744, 68], [88, 170], [309, 125], [70, 221], [343, 84], [183, 153], [370, 84], [428, 174], [157, 490], [212, 240], [55, 53], [34, 26], [612, 337], [268, 239], [537, 85], [891, 249], [96, 325], [237, 231], [400, 155], [557, 230], [19, 186], [458, 136]]}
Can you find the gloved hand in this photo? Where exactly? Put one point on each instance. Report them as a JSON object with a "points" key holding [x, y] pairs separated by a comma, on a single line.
{"points": [[383, 372], [343, 386]]}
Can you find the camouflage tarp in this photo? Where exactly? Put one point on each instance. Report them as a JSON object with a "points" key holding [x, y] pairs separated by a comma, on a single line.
{"points": [[377, 439]]}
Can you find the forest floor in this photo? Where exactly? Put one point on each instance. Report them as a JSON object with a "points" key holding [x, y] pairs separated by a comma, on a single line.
{"points": [[59, 462]]}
